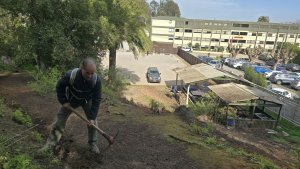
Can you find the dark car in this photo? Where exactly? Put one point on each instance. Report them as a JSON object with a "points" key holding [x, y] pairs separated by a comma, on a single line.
{"points": [[205, 59], [153, 75], [264, 57], [293, 67]]}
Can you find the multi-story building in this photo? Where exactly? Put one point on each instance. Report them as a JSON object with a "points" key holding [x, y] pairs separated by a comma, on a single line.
{"points": [[211, 34]]}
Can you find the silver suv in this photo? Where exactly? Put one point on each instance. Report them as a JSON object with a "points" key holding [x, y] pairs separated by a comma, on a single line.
{"points": [[283, 78], [296, 84], [153, 75]]}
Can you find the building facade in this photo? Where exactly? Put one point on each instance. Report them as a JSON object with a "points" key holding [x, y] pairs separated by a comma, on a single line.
{"points": [[212, 34]]}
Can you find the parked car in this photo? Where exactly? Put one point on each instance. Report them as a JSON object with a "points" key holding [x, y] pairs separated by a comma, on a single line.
{"points": [[296, 84], [248, 64], [215, 63], [187, 49], [153, 75], [238, 64], [205, 59], [282, 92], [293, 67], [280, 78], [262, 69], [268, 74], [264, 57], [227, 60]]}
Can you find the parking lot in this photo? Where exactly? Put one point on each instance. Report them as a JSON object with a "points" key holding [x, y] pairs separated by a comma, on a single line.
{"points": [[134, 68]]}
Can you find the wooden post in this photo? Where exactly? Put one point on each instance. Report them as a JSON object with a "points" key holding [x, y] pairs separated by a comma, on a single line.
{"points": [[187, 95], [278, 117], [176, 79], [253, 111], [264, 106]]}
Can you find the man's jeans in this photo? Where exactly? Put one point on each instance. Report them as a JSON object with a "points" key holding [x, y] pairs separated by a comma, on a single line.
{"points": [[60, 123]]}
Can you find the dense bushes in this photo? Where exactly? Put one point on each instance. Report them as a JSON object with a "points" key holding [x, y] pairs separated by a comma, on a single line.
{"points": [[254, 77]]}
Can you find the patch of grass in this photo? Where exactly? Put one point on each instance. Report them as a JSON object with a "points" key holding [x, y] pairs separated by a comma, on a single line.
{"points": [[21, 118], [36, 136], [19, 162], [290, 128]]}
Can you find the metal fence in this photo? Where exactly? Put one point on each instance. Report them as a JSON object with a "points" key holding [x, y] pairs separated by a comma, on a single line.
{"points": [[290, 109]]}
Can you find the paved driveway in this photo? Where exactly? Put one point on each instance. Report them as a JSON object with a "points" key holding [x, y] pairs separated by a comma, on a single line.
{"points": [[134, 69]]}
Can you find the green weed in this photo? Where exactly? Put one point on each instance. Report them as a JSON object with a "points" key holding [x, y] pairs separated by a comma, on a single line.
{"points": [[19, 162], [155, 105], [36, 136], [298, 157], [21, 118]]}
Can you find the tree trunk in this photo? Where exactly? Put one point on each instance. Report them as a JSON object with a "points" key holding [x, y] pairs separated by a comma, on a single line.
{"points": [[112, 64]]}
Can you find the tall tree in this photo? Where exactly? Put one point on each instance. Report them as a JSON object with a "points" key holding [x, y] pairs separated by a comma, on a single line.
{"points": [[154, 7], [164, 8], [263, 19], [124, 22]]}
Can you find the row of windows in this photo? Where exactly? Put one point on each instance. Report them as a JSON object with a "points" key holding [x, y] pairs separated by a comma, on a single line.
{"points": [[222, 40], [232, 33], [239, 25]]}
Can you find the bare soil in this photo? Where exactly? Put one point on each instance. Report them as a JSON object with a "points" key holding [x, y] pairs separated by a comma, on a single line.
{"points": [[139, 144]]}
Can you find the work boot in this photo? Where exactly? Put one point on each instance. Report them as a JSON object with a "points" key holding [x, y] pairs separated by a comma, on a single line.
{"points": [[94, 148]]}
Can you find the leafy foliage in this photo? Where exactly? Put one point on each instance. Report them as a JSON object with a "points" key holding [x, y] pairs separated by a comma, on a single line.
{"points": [[44, 81], [164, 8], [254, 77], [19, 117], [155, 105], [206, 106], [19, 162], [263, 19]]}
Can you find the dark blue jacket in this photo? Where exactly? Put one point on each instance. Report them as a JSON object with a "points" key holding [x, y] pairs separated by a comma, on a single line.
{"points": [[80, 92]]}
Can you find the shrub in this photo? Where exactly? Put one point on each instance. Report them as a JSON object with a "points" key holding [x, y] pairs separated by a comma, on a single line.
{"points": [[254, 77], [22, 118], [155, 105], [44, 82], [206, 106]]}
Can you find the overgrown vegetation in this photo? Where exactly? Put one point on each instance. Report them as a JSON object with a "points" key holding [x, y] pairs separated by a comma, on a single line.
{"points": [[19, 162], [44, 81], [254, 77], [156, 106], [22, 118]]}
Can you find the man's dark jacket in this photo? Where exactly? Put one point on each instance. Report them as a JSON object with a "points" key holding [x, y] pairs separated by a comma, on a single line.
{"points": [[80, 92]]}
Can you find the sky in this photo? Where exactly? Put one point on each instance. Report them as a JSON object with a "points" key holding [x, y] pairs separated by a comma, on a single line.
{"points": [[279, 11]]}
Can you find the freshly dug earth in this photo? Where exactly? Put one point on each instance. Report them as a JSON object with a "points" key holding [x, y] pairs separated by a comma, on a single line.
{"points": [[142, 141]]}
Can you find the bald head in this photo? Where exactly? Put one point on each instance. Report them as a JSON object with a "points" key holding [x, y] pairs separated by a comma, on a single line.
{"points": [[88, 68]]}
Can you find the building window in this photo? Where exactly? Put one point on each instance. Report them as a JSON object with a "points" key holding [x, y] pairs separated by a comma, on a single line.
{"points": [[236, 25], [176, 30], [243, 33], [224, 32], [171, 29], [186, 22], [245, 25], [234, 33], [270, 34], [187, 38], [261, 42], [292, 36], [225, 24], [178, 38], [188, 30], [171, 37], [253, 33], [241, 41], [298, 36], [260, 34], [197, 30], [281, 35], [270, 43]]}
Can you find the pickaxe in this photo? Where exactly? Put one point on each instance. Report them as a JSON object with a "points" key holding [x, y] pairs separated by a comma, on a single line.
{"points": [[109, 138]]}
